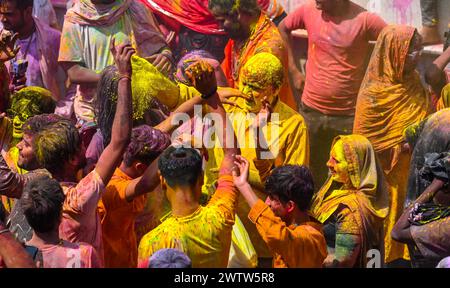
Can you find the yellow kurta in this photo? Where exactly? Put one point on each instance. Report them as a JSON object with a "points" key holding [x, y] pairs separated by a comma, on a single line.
{"points": [[287, 138]]}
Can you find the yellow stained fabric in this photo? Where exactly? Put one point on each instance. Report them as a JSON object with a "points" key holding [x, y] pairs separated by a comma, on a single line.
{"points": [[369, 195], [389, 99], [444, 101], [205, 235], [366, 178], [288, 141]]}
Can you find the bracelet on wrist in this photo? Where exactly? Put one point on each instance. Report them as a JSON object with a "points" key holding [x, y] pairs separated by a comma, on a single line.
{"points": [[206, 96], [123, 76]]}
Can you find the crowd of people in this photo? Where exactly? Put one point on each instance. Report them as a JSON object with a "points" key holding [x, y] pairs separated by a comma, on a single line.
{"points": [[160, 133]]}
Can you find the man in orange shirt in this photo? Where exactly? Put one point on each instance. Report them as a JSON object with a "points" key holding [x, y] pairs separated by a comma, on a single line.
{"points": [[124, 197], [293, 236], [251, 32]]}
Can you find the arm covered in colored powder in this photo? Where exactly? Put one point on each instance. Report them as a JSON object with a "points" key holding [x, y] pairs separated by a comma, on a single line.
{"points": [[401, 231], [348, 241], [122, 125], [293, 22]]}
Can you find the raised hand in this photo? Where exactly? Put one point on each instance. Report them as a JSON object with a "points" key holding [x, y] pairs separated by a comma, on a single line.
{"points": [[162, 62], [202, 76], [242, 166], [7, 50], [263, 116], [122, 57]]}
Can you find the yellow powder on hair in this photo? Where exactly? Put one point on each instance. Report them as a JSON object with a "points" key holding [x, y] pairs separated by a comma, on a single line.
{"points": [[148, 83], [264, 70]]}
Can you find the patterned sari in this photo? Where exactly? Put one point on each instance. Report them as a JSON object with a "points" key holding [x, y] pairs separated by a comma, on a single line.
{"points": [[368, 198], [388, 102]]}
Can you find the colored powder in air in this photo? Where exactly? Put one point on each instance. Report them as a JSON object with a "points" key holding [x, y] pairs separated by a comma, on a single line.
{"points": [[148, 83]]}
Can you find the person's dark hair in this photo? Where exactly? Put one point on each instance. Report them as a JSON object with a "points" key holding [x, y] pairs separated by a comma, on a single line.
{"points": [[2, 213], [180, 166], [42, 203], [56, 144], [169, 258], [106, 101], [20, 4], [36, 123], [146, 145], [291, 182], [226, 6]]}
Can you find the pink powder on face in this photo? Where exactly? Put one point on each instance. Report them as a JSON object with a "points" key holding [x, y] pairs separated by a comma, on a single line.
{"points": [[402, 6]]}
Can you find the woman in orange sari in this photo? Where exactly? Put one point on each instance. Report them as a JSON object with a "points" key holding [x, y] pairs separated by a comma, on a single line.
{"points": [[392, 98], [352, 204]]}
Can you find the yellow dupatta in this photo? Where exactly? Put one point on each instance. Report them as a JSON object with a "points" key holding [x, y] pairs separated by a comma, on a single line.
{"points": [[370, 194], [366, 177]]}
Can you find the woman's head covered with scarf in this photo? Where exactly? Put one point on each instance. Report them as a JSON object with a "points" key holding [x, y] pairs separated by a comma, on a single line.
{"points": [[365, 181]]}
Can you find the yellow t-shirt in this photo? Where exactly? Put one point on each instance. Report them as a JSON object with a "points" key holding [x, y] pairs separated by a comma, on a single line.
{"points": [[204, 236]]}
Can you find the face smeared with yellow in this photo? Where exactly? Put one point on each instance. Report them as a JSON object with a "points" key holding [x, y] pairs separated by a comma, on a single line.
{"points": [[260, 80], [19, 113], [255, 93], [337, 164]]}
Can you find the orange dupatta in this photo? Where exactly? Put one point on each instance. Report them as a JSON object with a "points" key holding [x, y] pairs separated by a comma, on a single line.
{"points": [[390, 101]]}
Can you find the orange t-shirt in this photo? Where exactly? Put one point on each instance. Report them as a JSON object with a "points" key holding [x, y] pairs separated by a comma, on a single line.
{"points": [[337, 51], [301, 246], [118, 217]]}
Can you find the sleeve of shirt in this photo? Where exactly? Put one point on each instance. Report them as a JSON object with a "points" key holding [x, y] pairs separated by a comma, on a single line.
{"points": [[186, 93], [297, 147], [84, 197], [115, 196], [70, 49], [11, 183], [264, 167], [295, 20], [278, 237], [91, 256], [225, 197], [348, 238], [374, 26]]}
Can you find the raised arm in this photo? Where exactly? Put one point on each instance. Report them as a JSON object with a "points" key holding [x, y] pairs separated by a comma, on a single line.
{"points": [[202, 76], [79, 74], [148, 182], [122, 125]]}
